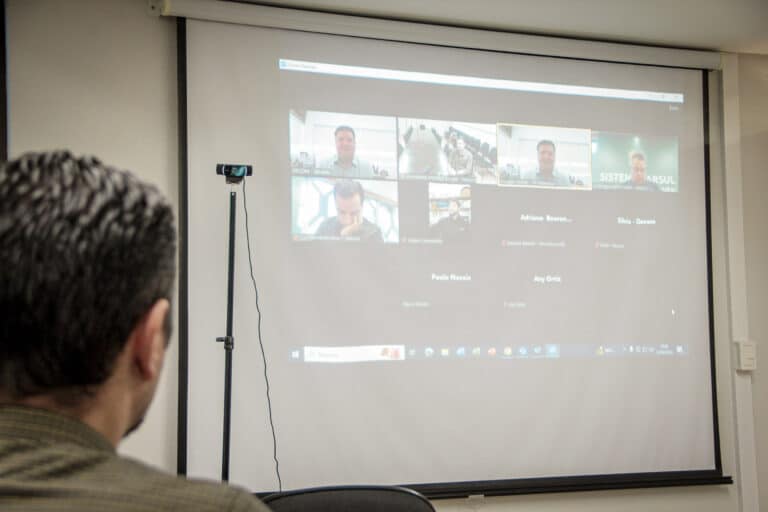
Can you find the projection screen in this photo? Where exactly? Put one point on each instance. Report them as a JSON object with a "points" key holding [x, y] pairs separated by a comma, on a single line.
{"points": [[474, 268]]}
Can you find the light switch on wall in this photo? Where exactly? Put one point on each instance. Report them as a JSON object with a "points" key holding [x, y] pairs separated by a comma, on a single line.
{"points": [[746, 355]]}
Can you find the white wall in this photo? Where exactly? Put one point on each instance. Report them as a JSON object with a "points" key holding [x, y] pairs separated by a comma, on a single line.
{"points": [[753, 95], [98, 76]]}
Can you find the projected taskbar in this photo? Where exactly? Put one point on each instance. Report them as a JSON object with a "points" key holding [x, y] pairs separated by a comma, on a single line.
{"points": [[383, 353]]}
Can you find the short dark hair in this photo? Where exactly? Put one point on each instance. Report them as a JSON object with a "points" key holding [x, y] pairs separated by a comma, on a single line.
{"points": [[85, 250], [636, 155], [546, 142], [344, 128], [348, 188]]}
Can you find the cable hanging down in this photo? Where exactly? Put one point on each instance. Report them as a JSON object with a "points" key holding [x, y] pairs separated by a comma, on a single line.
{"points": [[261, 343]]}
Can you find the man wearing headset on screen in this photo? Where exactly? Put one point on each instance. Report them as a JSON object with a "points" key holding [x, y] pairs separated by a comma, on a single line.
{"points": [[348, 196], [87, 265]]}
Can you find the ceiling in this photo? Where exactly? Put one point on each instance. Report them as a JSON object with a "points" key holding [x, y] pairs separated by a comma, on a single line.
{"points": [[725, 25]]}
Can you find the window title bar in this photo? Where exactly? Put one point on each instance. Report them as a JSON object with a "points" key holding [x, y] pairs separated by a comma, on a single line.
{"points": [[470, 81]]}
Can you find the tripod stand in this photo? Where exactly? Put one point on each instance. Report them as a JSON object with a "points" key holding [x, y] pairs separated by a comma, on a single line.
{"points": [[228, 340]]}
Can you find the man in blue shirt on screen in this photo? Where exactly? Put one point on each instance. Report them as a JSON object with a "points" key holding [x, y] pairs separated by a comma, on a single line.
{"points": [[546, 174], [345, 163]]}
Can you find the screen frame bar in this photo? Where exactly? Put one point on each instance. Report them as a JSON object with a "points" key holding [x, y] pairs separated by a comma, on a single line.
{"points": [[241, 13], [449, 490]]}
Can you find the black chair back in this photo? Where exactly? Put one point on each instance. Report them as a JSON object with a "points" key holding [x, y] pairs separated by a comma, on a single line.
{"points": [[355, 498]]}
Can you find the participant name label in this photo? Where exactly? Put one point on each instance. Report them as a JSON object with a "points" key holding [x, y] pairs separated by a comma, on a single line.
{"points": [[451, 277], [636, 221], [553, 219], [560, 244], [415, 304]]}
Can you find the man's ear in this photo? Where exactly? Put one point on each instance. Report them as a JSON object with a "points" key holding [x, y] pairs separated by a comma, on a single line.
{"points": [[148, 340]]}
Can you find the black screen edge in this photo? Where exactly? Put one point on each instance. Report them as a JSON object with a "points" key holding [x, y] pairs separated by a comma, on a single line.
{"points": [[707, 194], [3, 85], [181, 77], [565, 484]]}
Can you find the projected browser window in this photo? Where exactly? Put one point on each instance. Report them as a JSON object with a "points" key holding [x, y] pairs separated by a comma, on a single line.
{"points": [[410, 181]]}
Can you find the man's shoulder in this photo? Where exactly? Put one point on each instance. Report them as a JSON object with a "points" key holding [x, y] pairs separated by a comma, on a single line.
{"points": [[360, 169], [561, 179], [329, 227], [94, 480], [179, 493], [370, 231], [556, 179], [646, 185], [650, 185]]}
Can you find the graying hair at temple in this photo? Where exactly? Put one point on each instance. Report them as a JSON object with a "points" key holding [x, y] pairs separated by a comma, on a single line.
{"points": [[85, 250]]}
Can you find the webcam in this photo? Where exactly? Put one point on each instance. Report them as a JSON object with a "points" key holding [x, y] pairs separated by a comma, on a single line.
{"points": [[234, 173]]}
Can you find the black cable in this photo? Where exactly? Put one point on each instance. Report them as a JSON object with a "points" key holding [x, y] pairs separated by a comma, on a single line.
{"points": [[261, 344]]}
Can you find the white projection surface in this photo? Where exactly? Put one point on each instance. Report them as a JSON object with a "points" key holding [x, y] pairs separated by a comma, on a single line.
{"points": [[472, 266]]}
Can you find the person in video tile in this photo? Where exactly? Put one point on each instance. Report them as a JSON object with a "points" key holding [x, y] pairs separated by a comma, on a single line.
{"points": [[460, 159], [546, 173], [638, 179], [348, 222], [345, 163], [452, 227], [454, 222]]}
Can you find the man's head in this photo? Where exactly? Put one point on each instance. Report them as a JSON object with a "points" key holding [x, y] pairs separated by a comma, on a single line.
{"points": [[87, 263], [345, 144], [460, 144], [349, 197], [545, 150], [637, 167]]}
